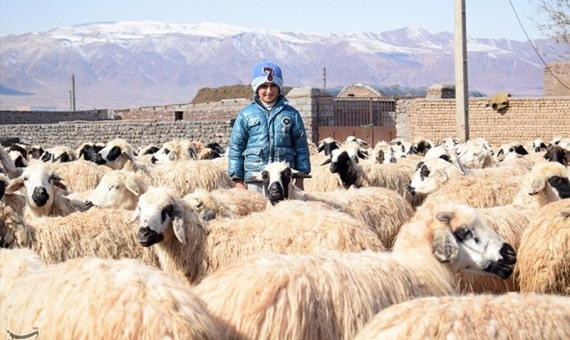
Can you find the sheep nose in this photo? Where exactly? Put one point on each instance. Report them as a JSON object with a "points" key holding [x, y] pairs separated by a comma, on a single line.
{"points": [[99, 159], [508, 254], [153, 160], [40, 196]]}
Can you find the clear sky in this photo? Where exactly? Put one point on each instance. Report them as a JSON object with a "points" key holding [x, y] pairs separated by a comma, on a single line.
{"points": [[485, 18]]}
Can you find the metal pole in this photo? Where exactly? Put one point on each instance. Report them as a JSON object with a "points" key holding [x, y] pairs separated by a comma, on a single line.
{"points": [[73, 92], [324, 77], [461, 88]]}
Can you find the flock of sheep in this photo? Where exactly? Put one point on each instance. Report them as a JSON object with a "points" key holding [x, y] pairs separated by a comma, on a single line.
{"points": [[400, 240]]}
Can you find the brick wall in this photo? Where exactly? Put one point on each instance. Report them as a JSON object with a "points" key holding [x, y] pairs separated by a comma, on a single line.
{"points": [[556, 79], [524, 119], [51, 117], [136, 133]]}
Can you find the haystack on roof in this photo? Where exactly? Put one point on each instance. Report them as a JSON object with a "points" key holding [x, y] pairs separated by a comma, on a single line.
{"points": [[208, 94]]}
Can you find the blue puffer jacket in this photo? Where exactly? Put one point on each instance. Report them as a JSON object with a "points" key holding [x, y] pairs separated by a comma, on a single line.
{"points": [[260, 137]]}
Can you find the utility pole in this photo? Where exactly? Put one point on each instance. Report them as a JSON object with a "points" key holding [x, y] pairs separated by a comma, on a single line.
{"points": [[324, 77], [461, 88], [73, 92]]}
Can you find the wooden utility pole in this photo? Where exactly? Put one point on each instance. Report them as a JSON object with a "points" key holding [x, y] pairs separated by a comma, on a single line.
{"points": [[461, 88]]}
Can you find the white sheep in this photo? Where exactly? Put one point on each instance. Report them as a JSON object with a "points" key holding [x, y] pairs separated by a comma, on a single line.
{"points": [[189, 250], [175, 150], [381, 209], [442, 181], [548, 182], [59, 153], [543, 263], [104, 233], [334, 294], [80, 175], [184, 176], [43, 191], [118, 189], [473, 317], [93, 298], [8, 165], [15, 200], [226, 203], [361, 174]]}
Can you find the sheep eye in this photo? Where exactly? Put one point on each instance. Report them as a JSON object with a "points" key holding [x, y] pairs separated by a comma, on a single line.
{"points": [[113, 187], [462, 233], [166, 151], [264, 175], [287, 173]]}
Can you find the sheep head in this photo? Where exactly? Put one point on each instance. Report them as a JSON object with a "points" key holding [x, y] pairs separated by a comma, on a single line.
{"points": [[430, 175], [550, 178], [164, 217], [40, 182], [277, 181], [115, 154], [463, 241], [117, 189]]}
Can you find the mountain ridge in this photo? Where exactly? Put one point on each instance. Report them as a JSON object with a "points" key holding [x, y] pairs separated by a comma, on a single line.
{"points": [[131, 64]]}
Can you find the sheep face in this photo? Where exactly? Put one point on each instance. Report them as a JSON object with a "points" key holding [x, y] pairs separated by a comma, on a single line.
{"points": [[277, 181], [160, 218], [115, 154], [39, 181], [328, 145], [552, 179], [430, 175], [474, 156], [89, 150], [421, 147], [117, 189], [36, 151], [344, 165], [18, 159], [470, 246], [555, 153], [164, 155], [510, 149]]}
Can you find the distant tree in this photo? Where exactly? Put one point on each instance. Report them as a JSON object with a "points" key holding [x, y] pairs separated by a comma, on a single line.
{"points": [[557, 25]]}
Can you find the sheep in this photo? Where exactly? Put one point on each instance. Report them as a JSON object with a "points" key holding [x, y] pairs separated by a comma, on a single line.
{"points": [[510, 148], [332, 295], [420, 146], [18, 159], [59, 154], [80, 175], [442, 182], [96, 232], [35, 152], [115, 154], [8, 165], [88, 150], [88, 298], [473, 317], [328, 145], [118, 189], [184, 176], [189, 250], [147, 150], [543, 264], [546, 183], [391, 176], [556, 153], [174, 150], [476, 154], [226, 203], [43, 196], [15, 200], [537, 145], [381, 209]]}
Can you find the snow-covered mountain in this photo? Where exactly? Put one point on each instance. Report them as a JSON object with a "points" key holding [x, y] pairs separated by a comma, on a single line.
{"points": [[130, 64]]}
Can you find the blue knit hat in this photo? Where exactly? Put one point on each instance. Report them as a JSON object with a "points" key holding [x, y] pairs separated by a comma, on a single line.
{"points": [[266, 72]]}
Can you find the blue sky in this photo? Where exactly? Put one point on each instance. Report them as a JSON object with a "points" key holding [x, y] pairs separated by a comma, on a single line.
{"points": [[485, 18]]}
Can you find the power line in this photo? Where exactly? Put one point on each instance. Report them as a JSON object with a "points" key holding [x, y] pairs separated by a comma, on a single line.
{"points": [[534, 48]]}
